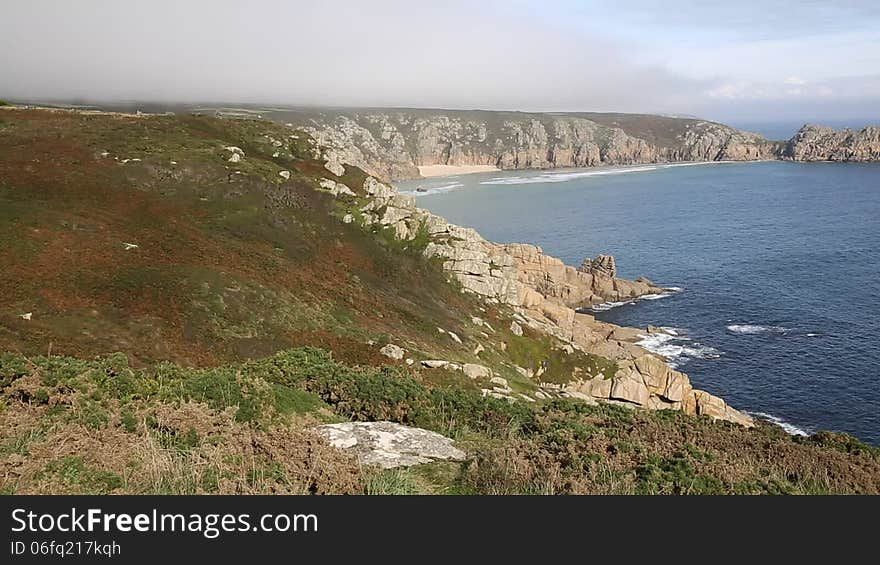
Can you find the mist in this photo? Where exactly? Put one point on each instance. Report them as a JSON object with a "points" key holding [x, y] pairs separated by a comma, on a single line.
{"points": [[489, 55]]}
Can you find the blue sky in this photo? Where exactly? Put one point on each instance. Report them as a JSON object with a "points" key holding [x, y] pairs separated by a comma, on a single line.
{"points": [[734, 61]]}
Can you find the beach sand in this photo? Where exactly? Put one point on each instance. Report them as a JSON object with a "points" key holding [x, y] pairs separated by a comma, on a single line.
{"points": [[448, 170]]}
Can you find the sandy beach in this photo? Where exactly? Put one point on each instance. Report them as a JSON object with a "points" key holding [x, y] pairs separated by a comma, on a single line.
{"points": [[449, 170]]}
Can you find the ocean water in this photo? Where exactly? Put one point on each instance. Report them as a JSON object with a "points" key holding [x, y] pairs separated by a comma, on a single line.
{"points": [[778, 265]]}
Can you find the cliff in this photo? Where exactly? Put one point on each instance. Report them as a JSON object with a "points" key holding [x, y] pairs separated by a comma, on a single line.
{"points": [[392, 143], [819, 143], [544, 294]]}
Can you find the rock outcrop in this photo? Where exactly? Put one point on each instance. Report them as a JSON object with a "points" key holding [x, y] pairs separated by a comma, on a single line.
{"points": [[392, 144], [545, 295], [818, 143], [388, 445]]}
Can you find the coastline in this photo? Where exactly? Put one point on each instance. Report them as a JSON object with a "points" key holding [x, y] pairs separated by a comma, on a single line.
{"points": [[440, 171]]}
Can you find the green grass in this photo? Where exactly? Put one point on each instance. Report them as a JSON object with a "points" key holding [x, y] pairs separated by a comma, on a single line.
{"points": [[393, 482], [18, 444], [73, 471], [533, 351]]}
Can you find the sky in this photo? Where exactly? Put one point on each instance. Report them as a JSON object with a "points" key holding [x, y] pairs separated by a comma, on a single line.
{"points": [[744, 61]]}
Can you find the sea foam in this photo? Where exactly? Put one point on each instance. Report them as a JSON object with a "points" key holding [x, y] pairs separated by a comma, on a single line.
{"points": [[565, 176], [605, 306], [447, 187], [676, 347], [755, 329], [790, 429]]}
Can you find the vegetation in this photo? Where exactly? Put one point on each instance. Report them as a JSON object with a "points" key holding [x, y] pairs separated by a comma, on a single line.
{"points": [[102, 426], [232, 261]]}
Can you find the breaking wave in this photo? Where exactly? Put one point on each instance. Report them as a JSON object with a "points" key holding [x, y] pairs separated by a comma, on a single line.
{"points": [[438, 189], [755, 329], [572, 175], [790, 429], [676, 347], [605, 306]]}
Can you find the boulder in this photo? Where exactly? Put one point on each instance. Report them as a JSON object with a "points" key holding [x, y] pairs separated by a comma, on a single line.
{"points": [[654, 373], [335, 167], [710, 405], [737, 417], [392, 351], [630, 388], [570, 393], [677, 386], [516, 329], [604, 265], [388, 445], [335, 188], [475, 371], [434, 363], [376, 189], [285, 175], [500, 381], [600, 387]]}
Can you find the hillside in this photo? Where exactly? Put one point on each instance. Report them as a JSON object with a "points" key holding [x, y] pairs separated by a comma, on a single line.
{"points": [[186, 298], [392, 143]]}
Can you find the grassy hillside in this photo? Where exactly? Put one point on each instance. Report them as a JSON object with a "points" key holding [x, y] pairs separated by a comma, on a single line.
{"points": [[231, 262], [172, 321], [101, 426]]}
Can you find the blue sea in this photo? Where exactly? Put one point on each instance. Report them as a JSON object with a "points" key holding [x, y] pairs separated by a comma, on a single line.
{"points": [[778, 265]]}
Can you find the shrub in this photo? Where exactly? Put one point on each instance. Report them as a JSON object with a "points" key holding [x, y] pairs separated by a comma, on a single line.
{"points": [[675, 475]]}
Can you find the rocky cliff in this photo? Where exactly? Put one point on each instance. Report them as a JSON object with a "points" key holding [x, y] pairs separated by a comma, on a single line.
{"points": [[819, 143], [545, 295], [392, 143]]}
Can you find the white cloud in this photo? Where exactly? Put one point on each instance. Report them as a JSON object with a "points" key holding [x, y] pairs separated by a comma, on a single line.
{"points": [[492, 54]]}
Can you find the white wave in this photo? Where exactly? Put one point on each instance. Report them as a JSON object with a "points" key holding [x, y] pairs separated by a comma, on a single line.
{"points": [[755, 329], [677, 348], [425, 191], [564, 177], [581, 173], [655, 296], [605, 306], [790, 429]]}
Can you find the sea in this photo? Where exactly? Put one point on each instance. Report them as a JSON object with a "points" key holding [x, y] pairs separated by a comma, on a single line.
{"points": [[776, 267]]}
